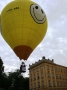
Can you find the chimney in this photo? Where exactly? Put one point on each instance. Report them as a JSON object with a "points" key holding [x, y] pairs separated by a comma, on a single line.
{"points": [[43, 57], [53, 60]]}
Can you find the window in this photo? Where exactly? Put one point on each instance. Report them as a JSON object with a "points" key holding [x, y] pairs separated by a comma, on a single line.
{"points": [[61, 70], [52, 75], [49, 83], [34, 76], [55, 69], [38, 76], [53, 83], [56, 75], [63, 77], [34, 85], [34, 70], [37, 69], [48, 74], [30, 72], [66, 83], [31, 86], [63, 83], [42, 75], [57, 83], [58, 69], [42, 83], [47, 67], [41, 67], [60, 76], [60, 83], [38, 84], [31, 77], [51, 67], [64, 70]]}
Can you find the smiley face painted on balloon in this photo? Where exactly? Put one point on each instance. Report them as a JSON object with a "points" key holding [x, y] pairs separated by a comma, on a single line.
{"points": [[37, 14]]}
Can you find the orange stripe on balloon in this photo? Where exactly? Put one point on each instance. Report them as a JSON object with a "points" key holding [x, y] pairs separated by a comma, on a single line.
{"points": [[23, 51]]}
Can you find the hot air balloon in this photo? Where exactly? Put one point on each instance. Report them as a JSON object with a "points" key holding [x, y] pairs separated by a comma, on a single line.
{"points": [[24, 25]]}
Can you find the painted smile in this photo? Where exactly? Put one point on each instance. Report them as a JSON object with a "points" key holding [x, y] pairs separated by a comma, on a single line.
{"points": [[36, 17]]}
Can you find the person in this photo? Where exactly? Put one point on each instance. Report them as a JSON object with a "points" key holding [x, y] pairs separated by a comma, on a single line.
{"points": [[23, 68]]}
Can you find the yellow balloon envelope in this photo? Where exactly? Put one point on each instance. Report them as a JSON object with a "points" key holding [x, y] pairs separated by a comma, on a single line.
{"points": [[24, 25]]}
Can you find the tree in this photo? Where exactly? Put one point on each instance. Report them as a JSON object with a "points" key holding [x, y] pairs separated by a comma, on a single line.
{"points": [[26, 83], [17, 81], [14, 80], [1, 72], [3, 76], [1, 67]]}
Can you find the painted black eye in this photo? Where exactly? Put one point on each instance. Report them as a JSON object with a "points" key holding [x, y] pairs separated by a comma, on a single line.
{"points": [[36, 7], [37, 14], [41, 10]]}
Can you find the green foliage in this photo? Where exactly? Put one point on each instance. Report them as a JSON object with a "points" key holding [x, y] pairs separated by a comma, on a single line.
{"points": [[17, 81], [1, 67], [14, 80], [26, 84], [3, 76]]}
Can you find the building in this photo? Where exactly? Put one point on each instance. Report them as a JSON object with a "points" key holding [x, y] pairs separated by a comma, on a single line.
{"points": [[47, 75]]}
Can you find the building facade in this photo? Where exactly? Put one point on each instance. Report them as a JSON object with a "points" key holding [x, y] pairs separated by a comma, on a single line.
{"points": [[47, 75]]}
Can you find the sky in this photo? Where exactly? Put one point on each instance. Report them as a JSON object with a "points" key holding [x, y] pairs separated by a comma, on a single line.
{"points": [[54, 44]]}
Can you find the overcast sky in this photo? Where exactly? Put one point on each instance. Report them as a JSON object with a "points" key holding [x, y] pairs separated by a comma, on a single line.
{"points": [[53, 46]]}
